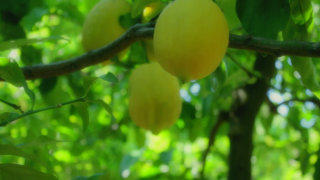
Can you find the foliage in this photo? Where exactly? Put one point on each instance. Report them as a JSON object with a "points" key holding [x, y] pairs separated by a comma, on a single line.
{"points": [[83, 129]]}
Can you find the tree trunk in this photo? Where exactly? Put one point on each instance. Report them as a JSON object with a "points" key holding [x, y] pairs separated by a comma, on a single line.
{"points": [[242, 122]]}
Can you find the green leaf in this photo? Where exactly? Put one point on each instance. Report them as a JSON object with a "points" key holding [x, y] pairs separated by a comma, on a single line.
{"points": [[228, 8], [16, 172], [126, 21], [107, 108], [7, 149], [10, 72], [266, 117], [7, 117], [31, 55], [301, 11], [22, 42], [316, 174], [33, 17], [307, 71], [255, 15], [88, 81], [82, 109], [30, 94], [166, 156], [294, 117], [75, 83], [206, 105], [99, 176], [304, 161], [41, 141], [303, 65], [220, 76], [127, 162], [140, 137], [298, 32], [137, 53], [110, 77], [188, 112], [81, 87], [10, 31], [47, 85]]}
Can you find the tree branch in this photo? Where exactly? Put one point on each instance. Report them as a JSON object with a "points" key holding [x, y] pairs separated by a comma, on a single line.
{"points": [[313, 100], [223, 116], [135, 33], [143, 31], [244, 113], [276, 48], [274, 107]]}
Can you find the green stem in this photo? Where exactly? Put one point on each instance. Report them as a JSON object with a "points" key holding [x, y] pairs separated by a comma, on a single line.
{"points": [[14, 106], [82, 99], [249, 73], [223, 116]]}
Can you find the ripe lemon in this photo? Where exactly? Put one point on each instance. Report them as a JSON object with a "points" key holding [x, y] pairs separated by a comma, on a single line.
{"points": [[152, 10], [191, 38], [154, 102], [102, 23]]}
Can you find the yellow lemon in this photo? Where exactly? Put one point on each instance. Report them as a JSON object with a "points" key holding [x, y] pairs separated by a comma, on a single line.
{"points": [[102, 23], [152, 10], [154, 102], [191, 38]]}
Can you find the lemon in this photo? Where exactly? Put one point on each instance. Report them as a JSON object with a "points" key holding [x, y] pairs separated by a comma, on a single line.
{"points": [[154, 102], [191, 38], [152, 10], [102, 23]]}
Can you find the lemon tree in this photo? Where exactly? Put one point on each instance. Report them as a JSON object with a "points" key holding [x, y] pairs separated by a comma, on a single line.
{"points": [[250, 114]]}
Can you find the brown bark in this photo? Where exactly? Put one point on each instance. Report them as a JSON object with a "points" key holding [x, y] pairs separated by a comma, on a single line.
{"points": [[242, 122]]}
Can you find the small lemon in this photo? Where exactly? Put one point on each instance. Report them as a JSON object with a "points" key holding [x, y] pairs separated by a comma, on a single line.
{"points": [[152, 10], [102, 23], [191, 38], [154, 102]]}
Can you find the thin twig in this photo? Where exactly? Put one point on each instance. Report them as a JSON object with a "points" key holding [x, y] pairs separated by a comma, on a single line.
{"points": [[313, 100], [223, 116], [82, 99], [14, 106], [274, 107], [249, 73]]}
